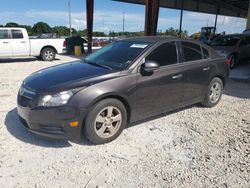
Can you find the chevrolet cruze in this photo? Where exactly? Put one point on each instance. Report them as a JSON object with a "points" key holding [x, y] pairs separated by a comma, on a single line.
{"points": [[127, 81]]}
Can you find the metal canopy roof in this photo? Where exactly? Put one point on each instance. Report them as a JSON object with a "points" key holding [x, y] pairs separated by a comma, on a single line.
{"points": [[235, 8]]}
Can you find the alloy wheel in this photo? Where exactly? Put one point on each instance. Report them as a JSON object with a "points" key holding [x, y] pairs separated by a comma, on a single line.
{"points": [[233, 61], [215, 92], [48, 54], [108, 122]]}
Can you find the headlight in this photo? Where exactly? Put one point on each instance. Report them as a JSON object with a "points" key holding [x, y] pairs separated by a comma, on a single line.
{"points": [[55, 100]]}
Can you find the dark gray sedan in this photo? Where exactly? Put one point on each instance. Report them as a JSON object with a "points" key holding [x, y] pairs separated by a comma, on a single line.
{"points": [[127, 81], [234, 47]]}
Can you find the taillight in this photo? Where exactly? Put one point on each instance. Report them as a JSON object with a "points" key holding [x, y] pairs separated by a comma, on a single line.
{"points": [[65, 44], [228, 62]]}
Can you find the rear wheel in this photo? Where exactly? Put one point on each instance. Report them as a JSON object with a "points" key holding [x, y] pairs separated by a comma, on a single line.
{"points": [[214, 93], [233, 59], [48, 54], [105, 121]]}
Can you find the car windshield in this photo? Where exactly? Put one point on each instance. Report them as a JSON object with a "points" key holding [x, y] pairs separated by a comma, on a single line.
{"points": [[226, 41], [118, 56]]}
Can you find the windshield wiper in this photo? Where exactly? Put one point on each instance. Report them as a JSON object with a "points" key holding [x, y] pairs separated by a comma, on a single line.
{"points": [[98, 65]]}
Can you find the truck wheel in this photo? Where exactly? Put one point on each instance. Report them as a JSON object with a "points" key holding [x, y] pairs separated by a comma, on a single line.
{"points": [[48, 54]]}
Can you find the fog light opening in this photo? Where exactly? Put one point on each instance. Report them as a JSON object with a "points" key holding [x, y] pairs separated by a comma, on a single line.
{"points": [[73, 123]]}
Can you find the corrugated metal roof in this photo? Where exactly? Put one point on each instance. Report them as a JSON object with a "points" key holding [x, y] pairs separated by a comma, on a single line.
{"points": [[235, 8]]}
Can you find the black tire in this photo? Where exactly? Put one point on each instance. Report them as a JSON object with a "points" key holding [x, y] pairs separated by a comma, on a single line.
{"points": [[91, 123], [233, 59], [48, 54], [208, 102], [39, 57]]}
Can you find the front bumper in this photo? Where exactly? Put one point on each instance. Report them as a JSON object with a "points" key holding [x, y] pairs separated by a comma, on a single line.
{"points": [[52, 122]]}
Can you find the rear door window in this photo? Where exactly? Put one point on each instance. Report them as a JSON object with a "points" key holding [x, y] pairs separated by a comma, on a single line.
{"points": [[230, 41], [245, 41], [226, 41], [4, 34], [192, 51], [16, 34], [164, 54], [205, 53]]}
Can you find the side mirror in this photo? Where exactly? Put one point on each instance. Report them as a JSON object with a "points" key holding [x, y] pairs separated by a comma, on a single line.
{"points": [[149, 66]]}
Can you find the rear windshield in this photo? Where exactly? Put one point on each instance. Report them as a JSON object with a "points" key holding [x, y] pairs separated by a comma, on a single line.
{"points": [[226, 41]]}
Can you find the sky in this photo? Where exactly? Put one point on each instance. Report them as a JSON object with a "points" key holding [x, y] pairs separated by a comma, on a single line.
{"points": [[108, 15]]}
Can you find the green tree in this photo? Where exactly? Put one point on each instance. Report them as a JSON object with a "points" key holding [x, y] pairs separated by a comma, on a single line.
{"points": [[98, 34], [28, 28], [74, 32], [61, 30], [11, 24], [41, 27], [82, 33], [184, 34], [111, 34], [173, 32]]}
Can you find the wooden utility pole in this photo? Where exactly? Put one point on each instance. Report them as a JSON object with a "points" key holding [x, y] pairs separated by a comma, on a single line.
{"points": [[69, 19], [90, 13], [151, 17]]}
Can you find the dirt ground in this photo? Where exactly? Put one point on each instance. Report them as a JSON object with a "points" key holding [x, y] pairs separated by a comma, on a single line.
{"points": [[191, 147]]}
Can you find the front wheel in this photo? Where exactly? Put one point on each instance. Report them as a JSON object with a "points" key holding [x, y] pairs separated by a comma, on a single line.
{"points": [[48, 54], [105, 121], [214, 93]]}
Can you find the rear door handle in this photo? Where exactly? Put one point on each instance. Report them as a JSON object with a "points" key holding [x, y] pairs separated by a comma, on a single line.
{"points": [[5, 42], [23, 42], [206, 68], [177, 76]]}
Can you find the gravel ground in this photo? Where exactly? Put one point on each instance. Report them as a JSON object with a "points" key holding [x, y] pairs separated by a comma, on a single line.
{"points": [[191, 147]]}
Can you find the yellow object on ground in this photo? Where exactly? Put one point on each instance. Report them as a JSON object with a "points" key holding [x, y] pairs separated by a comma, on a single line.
{"points": [[78, 51]]}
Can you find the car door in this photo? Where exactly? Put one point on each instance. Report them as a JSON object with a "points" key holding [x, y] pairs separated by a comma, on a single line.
{"points": [[20, 45], [244, 47], [196, 70], [5, 43], [160, 90]]}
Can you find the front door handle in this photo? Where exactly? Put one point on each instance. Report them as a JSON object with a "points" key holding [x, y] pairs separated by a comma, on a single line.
{"points": [[177, 76], [206, 68], [5, 42], [23, 42]]}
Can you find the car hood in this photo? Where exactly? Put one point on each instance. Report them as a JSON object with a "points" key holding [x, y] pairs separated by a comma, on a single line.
{"points": [[66, 76]]}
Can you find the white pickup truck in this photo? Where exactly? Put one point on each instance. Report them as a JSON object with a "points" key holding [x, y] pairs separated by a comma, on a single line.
{"points": [[15, 42]]}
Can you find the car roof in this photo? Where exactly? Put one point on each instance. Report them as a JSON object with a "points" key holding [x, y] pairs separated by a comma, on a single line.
{"points": [[151, 39], [232, 35], [158, 39], [8, 28]]}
